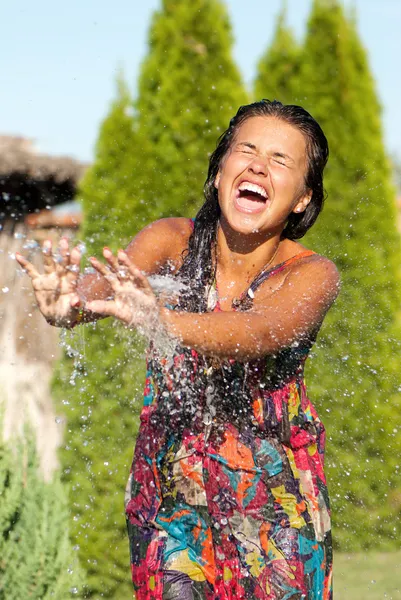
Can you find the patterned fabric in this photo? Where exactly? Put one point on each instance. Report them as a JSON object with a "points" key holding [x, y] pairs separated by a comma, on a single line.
{"points": [[227, 497]]}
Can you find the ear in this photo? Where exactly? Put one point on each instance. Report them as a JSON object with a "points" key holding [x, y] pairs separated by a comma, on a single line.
{"points": [[217, 181], [303, 202]]}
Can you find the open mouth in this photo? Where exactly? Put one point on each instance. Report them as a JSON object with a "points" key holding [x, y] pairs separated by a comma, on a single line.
{"points": [[251, 197]]}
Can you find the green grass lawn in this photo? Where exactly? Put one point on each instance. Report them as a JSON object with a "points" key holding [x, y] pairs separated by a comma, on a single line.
{"points": [[367, 576]]}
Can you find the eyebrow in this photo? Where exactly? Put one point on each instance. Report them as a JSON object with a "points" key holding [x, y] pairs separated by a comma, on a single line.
{"points": [[247, 144]]}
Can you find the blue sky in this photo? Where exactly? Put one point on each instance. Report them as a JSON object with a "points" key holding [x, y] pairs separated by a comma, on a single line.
{"points": [[58, 60]]}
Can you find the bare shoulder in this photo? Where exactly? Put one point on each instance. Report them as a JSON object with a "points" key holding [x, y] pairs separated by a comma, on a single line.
{"points": [[303, 262], [305, 289], [318, 272], [176, 229], [160, 242], [317, 263]]}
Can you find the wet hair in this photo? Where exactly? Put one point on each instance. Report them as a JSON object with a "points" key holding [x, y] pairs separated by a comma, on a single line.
{"points": [[199, 265]]}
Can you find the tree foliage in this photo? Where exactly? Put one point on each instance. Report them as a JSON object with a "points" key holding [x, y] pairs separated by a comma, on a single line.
{"points": [[189, 88], [97, 382], [355, 371], [106, 182], [99, 385], [353, 374], [278, 70], [148, 164], [36, 558]]}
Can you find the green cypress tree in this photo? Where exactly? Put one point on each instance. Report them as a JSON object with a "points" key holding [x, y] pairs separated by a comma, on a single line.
{"points": [[105, 182], [146, 167], [99, 385], [354, 374], [36, 558], [278, 69], [101, 375], [189, 88]]}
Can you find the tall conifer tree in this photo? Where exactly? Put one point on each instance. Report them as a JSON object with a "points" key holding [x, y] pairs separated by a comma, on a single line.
{"points": [[99, 378], [36, 557], [105, 182], [147, 166], [189, 88], [355, 373], [278, 69]]}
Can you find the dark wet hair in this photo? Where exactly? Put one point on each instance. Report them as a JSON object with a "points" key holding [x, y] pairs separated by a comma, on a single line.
{"points": [[199, 264]]}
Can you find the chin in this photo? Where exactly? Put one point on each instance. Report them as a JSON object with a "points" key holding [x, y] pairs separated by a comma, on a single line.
{"points": [[243, 224]]}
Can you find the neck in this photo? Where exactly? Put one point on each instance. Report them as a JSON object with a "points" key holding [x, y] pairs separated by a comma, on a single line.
{"points": [[249, 252]]}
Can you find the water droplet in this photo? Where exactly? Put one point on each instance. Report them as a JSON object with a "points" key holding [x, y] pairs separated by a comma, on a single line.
{"points": [[30, 245]]}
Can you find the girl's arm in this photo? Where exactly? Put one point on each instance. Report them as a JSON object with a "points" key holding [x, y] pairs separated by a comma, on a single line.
{"points": [[62, 292], [153, 247], [290, 315]]}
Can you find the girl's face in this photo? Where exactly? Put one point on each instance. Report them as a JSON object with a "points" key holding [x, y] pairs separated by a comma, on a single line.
{"points": [[261, 179]]}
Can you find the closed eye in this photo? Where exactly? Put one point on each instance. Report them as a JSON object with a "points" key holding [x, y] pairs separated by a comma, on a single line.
{"points": [[282, 159], [246, 148]]}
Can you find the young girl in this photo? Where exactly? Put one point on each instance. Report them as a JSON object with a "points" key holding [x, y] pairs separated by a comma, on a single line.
{"points": [[227, 497]]}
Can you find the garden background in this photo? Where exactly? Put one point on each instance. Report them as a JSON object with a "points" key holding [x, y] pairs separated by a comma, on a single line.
{"points": [[150, 161]]}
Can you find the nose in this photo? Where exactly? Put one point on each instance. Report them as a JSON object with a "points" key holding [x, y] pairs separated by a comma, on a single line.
{"points": [[258, 166]]}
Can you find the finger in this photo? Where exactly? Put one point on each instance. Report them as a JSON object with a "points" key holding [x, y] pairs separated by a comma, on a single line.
{"points": [[140, 280], [123, 272], [25, 264], [75, 301], [48, 259], [99, 266], [111, 259], [75, 265], [104, 270], [107, 308], [64, 250], [123, 259]]}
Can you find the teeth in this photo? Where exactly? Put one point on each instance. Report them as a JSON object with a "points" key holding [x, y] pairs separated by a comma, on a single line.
{"points": [[252, 187]]}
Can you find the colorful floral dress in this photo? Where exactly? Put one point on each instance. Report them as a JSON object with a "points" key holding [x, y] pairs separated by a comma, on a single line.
{"points": [[227, 497]]}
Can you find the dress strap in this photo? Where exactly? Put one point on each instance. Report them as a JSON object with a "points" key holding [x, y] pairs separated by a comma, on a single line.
{"points": [[245, 301], [259, 279]]}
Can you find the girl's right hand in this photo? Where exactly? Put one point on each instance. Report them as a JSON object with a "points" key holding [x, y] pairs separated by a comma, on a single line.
{"points": [[56, 288]]}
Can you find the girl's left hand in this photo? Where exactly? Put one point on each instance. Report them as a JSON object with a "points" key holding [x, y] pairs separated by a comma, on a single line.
{"points": [[134, 302]]}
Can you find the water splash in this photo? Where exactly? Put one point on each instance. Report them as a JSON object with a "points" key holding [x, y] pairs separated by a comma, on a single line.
{"points": [[66, 340], [167, 285]]}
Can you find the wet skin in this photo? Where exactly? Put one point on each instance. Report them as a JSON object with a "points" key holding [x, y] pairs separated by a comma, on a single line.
{"points": [[266, 153], [271, 154]]}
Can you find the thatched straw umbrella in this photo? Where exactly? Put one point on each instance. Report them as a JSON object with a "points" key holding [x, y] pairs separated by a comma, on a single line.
{"points": [[30, 181]]}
